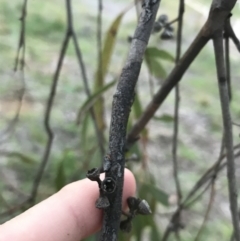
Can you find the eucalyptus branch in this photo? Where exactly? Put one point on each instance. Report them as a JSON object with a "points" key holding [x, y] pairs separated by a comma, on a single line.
{"points": [[47, 125], [99, 134], [99, 37], [227, 122], [176, 106], [227, 60], [212, 194], [122, 101], [21, 41], [230, 33], [218, 14], [193, 196], [19, 60]]}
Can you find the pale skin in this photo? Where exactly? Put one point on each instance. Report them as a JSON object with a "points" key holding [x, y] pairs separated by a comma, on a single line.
{"points": [[69, 215]]}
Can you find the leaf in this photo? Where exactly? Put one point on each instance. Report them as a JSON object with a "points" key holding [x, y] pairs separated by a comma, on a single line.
{"points": [[60, 180], [22, 157], [137, 106], [91, 100], [164, 118], [159, 53], [84, 131], [160, 195], [155, 67], [102, 70]]}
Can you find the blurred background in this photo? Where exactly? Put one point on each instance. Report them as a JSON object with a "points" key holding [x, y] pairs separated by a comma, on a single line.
{"points": [[75, 148]]}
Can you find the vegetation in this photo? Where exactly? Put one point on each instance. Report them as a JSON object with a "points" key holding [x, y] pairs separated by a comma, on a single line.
{"points": [[75, 148]]}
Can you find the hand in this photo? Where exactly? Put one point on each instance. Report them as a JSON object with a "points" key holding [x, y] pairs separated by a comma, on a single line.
{"points": [[69, 215]]}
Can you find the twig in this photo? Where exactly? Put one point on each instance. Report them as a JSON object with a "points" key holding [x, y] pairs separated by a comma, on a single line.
{"points": [[20, 50], [235, 124], [212, 194], [230, 33], [176, 106], [99, 37], [99, 134], [223, 91], [167, 86], [189, 200], [220, 10], [21, 42], [227, 60], [52, 93], [122, 102], [171, 22]]}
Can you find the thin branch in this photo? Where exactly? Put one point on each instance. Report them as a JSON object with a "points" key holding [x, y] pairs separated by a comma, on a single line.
{"points": [[190, 199], [173, 78], [99, 134], [122, 102], [21, 42], [212, 194], [176, 106], [20, 57], [51, 97], [227, 122], [227, 60], [190, 202], [99, 37], [220, 10], [230, 33], [171, 22]]}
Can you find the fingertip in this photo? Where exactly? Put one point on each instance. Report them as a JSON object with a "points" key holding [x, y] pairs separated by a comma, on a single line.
{"points": [[70, 214]]}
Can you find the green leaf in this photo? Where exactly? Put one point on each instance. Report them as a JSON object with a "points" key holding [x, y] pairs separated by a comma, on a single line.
{"points": [[164, 118], [137, 106], [159, 53], [155, 67], [91, 100], [160, 195], [102, 70], [60, 180], [20, 156], [84, 131]]}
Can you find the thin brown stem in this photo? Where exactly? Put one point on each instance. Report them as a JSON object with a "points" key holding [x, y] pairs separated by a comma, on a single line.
{"points": [[49, 105], [228, 69], [218, 14], [177, 103], [227, 122], [231, 34], [19, 60], [212, 194]]}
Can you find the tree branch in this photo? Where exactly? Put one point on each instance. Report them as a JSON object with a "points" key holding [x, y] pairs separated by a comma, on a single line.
{"points": [[47, 125], [122, 102], [230, 33], [20, 58], [220, 10], [227, 122], [177, 100]]}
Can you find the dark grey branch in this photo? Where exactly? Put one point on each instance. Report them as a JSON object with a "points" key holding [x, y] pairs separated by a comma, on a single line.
{"points": [[218, 14], [122, 102], [227, 123]]}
